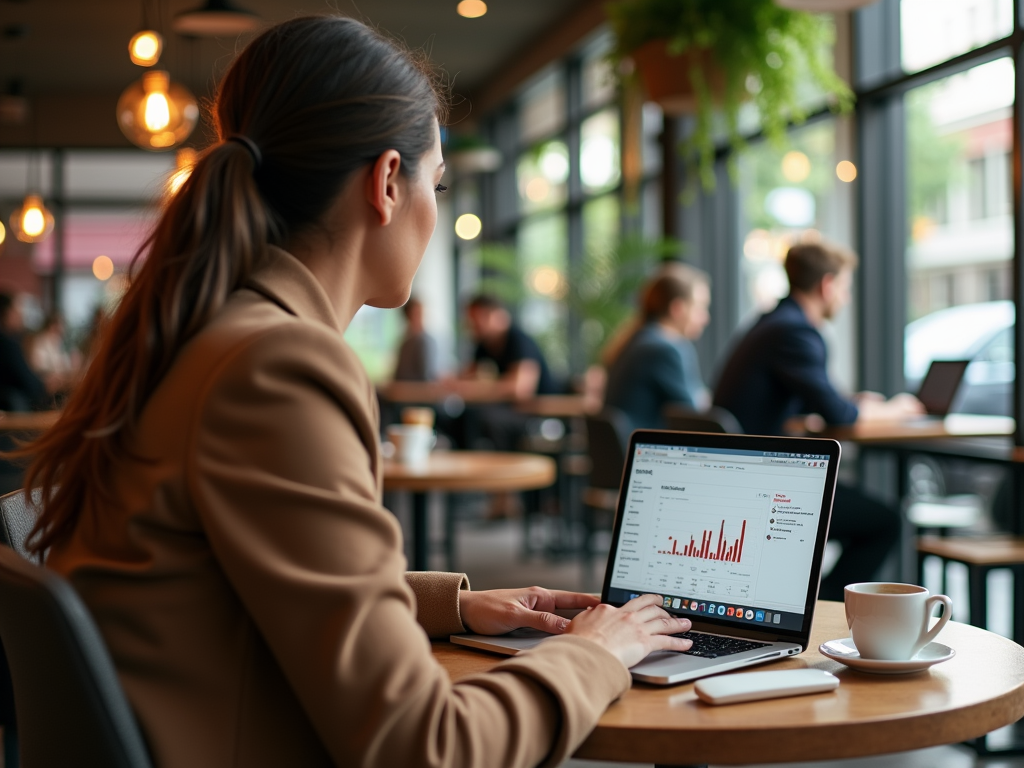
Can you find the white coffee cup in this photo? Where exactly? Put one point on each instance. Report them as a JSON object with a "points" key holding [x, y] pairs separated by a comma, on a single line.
{"points": [[412, 444], [889, 621]]}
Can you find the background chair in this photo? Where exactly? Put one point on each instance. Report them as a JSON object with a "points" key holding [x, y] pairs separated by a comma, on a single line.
{"points": [[16, 521], [70, 706], [607, 440], [715, 419]]}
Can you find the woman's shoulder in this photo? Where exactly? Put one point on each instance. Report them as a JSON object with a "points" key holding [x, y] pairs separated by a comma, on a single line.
{"points": [[253, 343]]}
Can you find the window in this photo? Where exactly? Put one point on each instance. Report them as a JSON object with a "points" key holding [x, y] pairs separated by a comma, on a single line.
{"points": [[960, 250], [935, 30]]}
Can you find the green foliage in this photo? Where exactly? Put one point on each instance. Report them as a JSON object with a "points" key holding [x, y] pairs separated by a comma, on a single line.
{"points": [[603, 290], [764, 52], [501, 273]]}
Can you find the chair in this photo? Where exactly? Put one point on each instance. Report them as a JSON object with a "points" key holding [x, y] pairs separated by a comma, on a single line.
{"points": [[17, 520], [70, 706], [607, 441], [715, 419]]}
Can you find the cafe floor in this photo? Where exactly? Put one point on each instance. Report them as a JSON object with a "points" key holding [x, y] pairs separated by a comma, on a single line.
{"points": [[491, 553]]}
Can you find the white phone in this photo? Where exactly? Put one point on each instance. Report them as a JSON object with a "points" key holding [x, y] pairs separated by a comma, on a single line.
{"points": [[751, 686]]}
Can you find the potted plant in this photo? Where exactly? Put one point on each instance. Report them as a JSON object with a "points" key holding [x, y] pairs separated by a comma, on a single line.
{"points": [[703, 55]]}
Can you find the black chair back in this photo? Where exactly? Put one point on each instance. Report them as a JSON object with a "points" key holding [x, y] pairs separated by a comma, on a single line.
{"points": [[70, 706], [17, 519], [607, 440], [714, 419]]}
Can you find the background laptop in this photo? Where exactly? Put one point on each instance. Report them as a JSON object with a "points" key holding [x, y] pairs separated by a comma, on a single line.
{"points": [[940, 385], [730, 530]]}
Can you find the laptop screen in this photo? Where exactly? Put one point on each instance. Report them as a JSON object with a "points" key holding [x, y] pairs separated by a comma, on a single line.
{"points": [[941, 384], [721, 533]]}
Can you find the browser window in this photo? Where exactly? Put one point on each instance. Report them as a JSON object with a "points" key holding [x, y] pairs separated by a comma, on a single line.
{"points": [[723, 533]]}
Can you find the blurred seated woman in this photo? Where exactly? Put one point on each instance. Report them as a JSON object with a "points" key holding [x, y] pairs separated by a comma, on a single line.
{"points": [[213, 487]]}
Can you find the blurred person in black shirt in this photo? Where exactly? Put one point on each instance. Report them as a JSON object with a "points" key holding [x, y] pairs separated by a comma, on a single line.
{"points": [[20, 388]]}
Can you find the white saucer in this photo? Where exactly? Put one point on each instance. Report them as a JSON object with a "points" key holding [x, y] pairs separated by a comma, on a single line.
{"points": [[845, 652]]}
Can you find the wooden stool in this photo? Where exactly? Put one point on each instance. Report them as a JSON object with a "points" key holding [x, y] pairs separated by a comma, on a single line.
{"points": [[980, 556]]}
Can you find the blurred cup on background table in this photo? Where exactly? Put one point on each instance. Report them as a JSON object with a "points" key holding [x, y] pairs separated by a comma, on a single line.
{"points": [[412, 444]]}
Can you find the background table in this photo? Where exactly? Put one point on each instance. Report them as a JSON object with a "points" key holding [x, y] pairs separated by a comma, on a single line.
{"points": [[485, 471], [979, 690]]}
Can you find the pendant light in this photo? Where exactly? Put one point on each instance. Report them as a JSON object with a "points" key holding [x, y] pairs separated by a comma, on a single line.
{"points": [[32, 222], [217, 18], [156, 113], [145, 47]]}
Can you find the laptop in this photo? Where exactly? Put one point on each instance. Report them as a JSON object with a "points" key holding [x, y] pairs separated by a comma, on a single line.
{"points": [[730, 530], [940, 385]]}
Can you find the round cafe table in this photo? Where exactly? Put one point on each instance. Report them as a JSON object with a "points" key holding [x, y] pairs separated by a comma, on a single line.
{"points": [[979, 690], [485, 471]]}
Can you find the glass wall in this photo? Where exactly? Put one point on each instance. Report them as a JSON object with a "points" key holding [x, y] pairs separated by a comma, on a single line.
{"points": [[959, 144]]}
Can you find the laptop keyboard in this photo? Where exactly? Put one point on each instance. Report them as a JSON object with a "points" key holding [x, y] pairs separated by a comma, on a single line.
{"points": [[714, 646]]}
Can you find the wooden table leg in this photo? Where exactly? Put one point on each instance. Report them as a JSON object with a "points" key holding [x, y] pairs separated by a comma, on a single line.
{"points": [[420, 533]]}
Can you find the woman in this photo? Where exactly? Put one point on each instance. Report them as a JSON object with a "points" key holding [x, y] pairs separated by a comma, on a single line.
{"points": [[214, 485]]}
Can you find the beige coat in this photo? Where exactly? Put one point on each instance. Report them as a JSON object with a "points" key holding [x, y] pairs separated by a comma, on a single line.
{"points": [[252, 589]]}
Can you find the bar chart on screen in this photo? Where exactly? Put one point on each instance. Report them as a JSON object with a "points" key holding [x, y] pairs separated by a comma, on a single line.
{"points": [[723, 550], [707, 555]]}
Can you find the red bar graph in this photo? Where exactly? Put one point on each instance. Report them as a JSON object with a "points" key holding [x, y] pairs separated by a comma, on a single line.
{"points": [[723, 551]]}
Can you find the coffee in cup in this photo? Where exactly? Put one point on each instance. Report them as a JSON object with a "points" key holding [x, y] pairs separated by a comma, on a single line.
{"points": [[889, 621], [412, 444], [417, 414]]}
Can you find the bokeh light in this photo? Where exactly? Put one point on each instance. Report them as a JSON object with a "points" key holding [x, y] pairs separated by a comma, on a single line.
{"points": [[846, 171], [471, 9], [468, 226], [103, 268], [796, 166]]}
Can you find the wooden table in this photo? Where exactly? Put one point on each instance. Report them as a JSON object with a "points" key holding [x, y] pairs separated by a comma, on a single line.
{"points": [[953, 426], [558, 406], [979, 690], [34, 421], [485, 471], [436, 392]]}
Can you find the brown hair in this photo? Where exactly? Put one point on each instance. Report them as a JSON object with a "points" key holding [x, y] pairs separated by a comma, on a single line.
{"points": [[808, 263], [672, 283], [319, 97]]}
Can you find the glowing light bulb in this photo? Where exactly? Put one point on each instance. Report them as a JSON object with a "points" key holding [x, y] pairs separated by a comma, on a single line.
{"points": [[156, 113], [32, 222], [471, 9], [468, 226], [3, 233], [145, 48]]}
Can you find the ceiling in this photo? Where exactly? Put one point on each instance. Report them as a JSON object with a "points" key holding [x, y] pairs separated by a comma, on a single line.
{"points": [[71, 58]]}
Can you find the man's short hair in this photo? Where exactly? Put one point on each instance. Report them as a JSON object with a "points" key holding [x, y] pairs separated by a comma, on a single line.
{"points": [[673, 282], [808, 263], [485, 301], [6, 302]]}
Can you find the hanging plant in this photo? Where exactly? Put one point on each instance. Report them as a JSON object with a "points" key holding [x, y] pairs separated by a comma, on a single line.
{"points": [[721, 53]]}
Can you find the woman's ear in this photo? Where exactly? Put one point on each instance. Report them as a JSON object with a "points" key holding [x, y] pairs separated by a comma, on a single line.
{"points": [[382, 189]]}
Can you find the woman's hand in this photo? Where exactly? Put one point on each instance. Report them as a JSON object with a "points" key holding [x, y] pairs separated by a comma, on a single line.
{"points": [[497, 611], [632, 631]]}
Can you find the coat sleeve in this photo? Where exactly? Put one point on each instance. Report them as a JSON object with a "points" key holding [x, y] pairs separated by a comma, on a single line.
{"points": [[282, 471], [801, 363]]}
